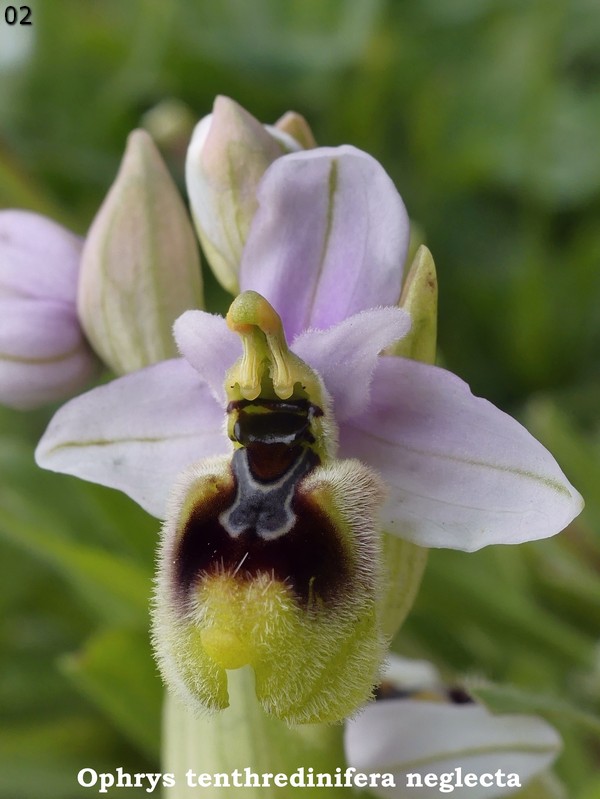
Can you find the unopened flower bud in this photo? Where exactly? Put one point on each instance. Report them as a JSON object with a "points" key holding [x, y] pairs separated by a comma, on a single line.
{"points": [[170, 123], [140, 265], [270, 557], [294, 125], [43, 354], [228, 155]]}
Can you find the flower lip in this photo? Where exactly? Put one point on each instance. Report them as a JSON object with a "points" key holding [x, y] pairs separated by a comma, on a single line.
{"points": [[280, 574]]}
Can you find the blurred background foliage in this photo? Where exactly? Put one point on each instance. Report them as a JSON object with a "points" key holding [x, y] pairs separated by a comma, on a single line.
{"points": [[487, 115]]}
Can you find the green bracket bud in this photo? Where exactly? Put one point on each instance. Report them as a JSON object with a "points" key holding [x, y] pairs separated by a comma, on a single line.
{"points": [[140, 266], [298, 128], [404, 561], [419, 297]]}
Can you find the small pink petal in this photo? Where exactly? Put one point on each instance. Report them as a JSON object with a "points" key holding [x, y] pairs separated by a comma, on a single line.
{"points": [[345, 356], [209, 346]]}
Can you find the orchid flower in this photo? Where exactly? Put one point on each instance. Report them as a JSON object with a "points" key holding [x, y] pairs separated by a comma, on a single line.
{"points": [[44, 355], [436, 741], [273, 557]]}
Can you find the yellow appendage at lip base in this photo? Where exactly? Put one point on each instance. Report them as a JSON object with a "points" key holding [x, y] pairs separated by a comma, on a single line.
{"points": [[234, 614], [225, 648], [240, 614]]}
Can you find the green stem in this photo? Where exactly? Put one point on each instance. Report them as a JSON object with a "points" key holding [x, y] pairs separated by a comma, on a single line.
{"points": [[244, 737]]}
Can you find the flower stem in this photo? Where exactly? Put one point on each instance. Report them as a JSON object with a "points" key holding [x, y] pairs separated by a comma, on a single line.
{"points": [[244, 740]]}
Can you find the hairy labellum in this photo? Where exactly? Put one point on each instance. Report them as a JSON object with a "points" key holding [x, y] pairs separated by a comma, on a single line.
{"points": [[270, 558]]}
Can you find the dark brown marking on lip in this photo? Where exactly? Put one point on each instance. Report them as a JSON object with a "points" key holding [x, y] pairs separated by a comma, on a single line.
{"points": [[311, 558], [272, 527], [269, 462], [274, 435]]}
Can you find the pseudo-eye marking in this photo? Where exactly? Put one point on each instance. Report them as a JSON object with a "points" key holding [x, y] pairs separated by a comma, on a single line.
{"points": [[261, 506], [269, 465]]}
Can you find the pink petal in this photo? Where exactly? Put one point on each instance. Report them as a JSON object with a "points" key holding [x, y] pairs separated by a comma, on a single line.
{"points": [[329, 238], [137, 433], [43, 355], [209, 346], [345, 356], [38, 258], [461, 473], [404, 736]]}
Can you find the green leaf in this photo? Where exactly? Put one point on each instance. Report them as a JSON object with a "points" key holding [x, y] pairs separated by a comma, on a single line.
{"points": [[81, 510], [488, 584], [18, 190], [43, 759], [115, 588], [544, 787], [592, 790], [116, 671]]}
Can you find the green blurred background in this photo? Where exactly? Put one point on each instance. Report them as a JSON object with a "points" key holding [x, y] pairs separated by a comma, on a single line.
{"points": [[486, 113]]}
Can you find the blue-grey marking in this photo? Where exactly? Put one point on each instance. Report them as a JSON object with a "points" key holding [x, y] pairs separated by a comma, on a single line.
{"points": [[265, 507]]}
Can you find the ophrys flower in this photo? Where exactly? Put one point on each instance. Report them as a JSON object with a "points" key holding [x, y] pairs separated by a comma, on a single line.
{"points": [[325, 249]]}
